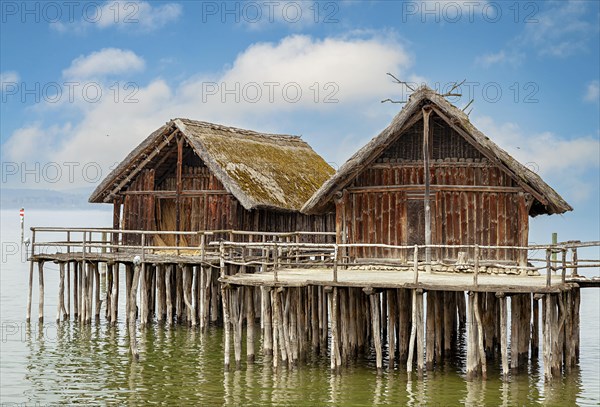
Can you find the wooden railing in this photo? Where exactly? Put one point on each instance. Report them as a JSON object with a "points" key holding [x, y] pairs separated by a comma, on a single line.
{"points": [[52, 240], [266, 251], [273, 256]]}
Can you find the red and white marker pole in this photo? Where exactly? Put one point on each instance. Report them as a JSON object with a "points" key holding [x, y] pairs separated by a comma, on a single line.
{"points": [[22, 216]]}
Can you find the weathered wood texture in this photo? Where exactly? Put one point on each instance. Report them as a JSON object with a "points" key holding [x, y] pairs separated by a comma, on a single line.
{"points": [[205, 204], [473, 201]]}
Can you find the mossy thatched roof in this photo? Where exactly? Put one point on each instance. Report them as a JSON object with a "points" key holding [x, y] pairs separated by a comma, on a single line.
{"points": [[261, 170], [546, 200]]}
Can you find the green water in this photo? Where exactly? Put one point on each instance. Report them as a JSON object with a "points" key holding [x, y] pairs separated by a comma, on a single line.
{"points": [[68, 363]]}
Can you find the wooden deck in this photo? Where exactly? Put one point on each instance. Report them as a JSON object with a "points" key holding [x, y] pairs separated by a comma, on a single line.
{"points": [[170, 257], [381, 278]]}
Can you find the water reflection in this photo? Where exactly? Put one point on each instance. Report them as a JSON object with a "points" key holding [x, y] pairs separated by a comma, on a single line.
{"points": [[71, 363]]}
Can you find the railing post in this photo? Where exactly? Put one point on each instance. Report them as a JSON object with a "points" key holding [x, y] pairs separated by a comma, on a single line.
{"points": [[33, 242], [222, 259], [83, 245], [563, 275], [574, 262], [335, 262], [548, 267], [202, 247], [265, 254], [416, 264], [275, 261], [297, 249], [143, 251], [476, 274]]}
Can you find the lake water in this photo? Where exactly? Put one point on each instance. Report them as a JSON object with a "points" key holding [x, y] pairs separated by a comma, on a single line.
{"points": [[71, 364]]}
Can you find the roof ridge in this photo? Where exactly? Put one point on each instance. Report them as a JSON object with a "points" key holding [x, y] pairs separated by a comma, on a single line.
{"points": [[237, 130]]}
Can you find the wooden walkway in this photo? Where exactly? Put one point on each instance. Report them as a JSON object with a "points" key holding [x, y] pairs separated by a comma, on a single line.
{"points": [[386, 278]]}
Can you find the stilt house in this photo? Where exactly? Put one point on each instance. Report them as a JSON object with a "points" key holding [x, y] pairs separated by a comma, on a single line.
{"points": [[194, 176], [431, 177]]}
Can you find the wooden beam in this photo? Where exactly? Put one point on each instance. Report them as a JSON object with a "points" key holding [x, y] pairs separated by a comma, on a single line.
{"points": [[427, 198], [173, 194], [435, 188], [179, 186], [116, 219], [140, 166]]}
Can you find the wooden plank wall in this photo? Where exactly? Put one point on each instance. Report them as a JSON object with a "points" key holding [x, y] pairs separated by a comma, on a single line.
{"points": [[473, 201], [210, 211], [138, 210]]}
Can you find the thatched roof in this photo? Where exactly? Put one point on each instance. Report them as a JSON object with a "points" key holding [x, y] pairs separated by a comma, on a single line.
{"points": [[261, 170], [546, 200]]}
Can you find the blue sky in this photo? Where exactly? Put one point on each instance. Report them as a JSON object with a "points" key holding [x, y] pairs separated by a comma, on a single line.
{"points": [[84, 82]]}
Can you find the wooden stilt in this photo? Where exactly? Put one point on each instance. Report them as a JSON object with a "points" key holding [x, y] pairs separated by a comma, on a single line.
{"points": [[420, 331], [504, 335], [30, 292], [237, 318], [314, 317], [161, 297], [547, 336], [404, 322], [202, 297], [268, 345], [413, 334], [187, 285], [226, 324], [179, 305], [275, 319], [472, 340], [535, 327], [75, 290], [168, 291], [281, 337], [438, 324], [430, 337], [250, 320], [114, 307], [461, 307], [375, 318], [515, 325], [391, 330], [128, 277], [97, 295], [68, 309], [293, 325], [90, 293], [482, 358], [61, 292], [82, 291], [335, 349], [132, 311], [286, 325], [41, 291], [108, 293]]}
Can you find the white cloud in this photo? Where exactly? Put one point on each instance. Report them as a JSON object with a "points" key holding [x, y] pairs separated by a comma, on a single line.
{"points": [[107, 61], [592, 92], [134, 15], [350, 69], [497, 58], [561, 161], [8, 78], [558, 30], [561, 30]]}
